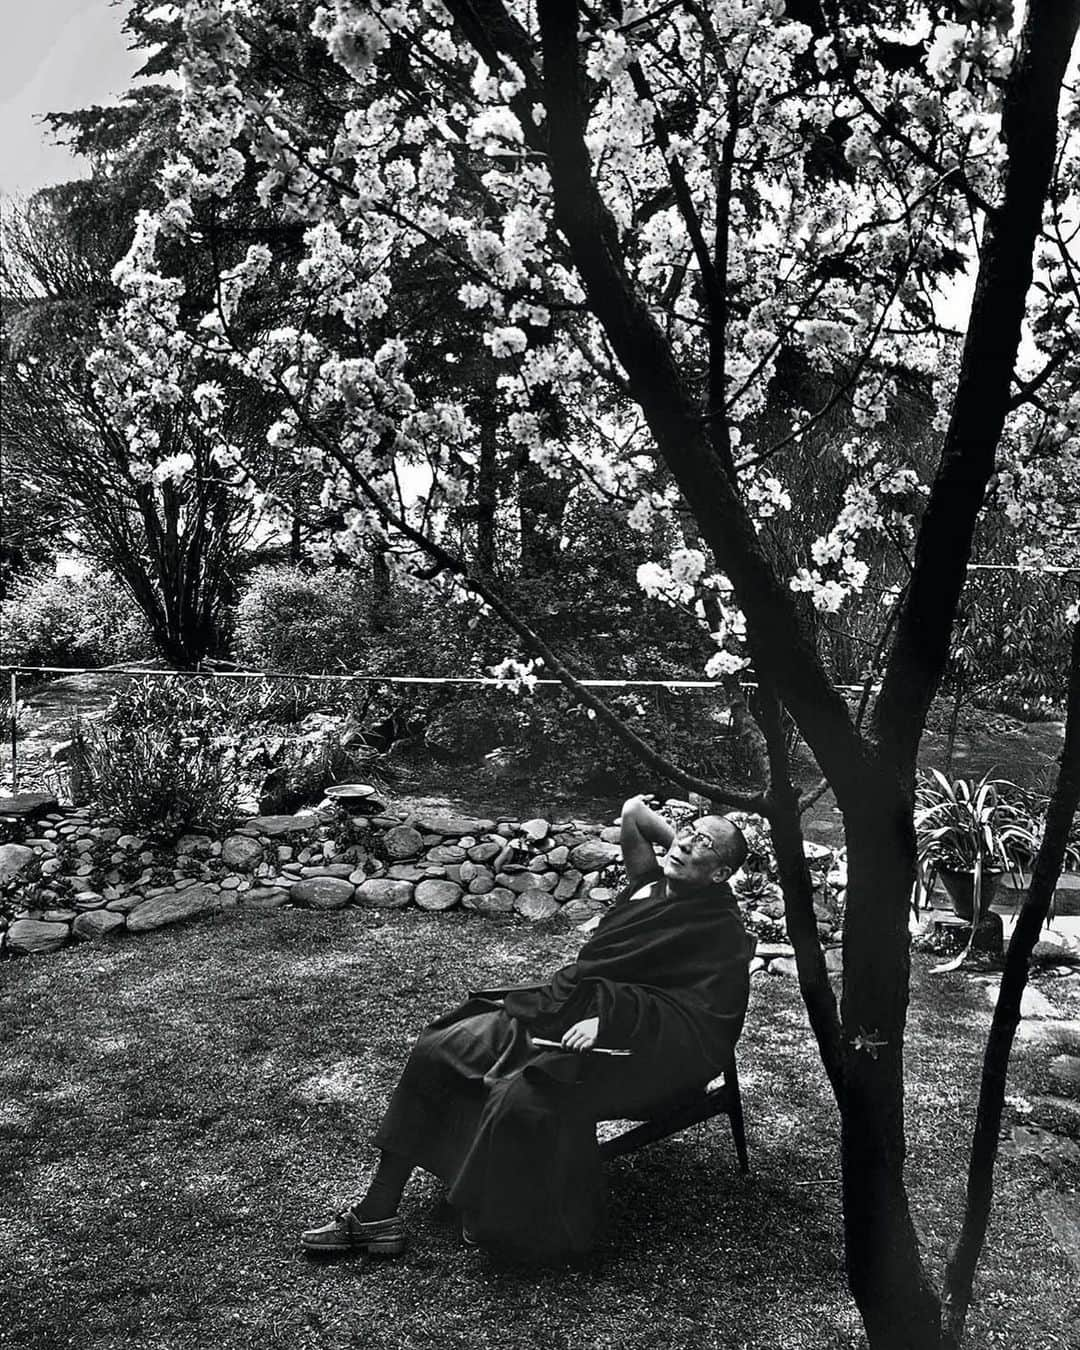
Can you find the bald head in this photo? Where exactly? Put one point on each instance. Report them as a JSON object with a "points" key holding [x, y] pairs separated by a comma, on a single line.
{"points": [[727, 839]]}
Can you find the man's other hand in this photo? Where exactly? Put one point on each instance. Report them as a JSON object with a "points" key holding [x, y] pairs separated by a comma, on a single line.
{"points": [[582, 1035]]}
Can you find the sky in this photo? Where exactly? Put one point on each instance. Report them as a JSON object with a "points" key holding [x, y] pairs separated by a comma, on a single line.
{"points": [[54, 55]]}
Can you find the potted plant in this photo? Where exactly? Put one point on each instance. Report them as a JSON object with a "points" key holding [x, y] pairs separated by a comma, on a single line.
{"points": [[969, 834]]}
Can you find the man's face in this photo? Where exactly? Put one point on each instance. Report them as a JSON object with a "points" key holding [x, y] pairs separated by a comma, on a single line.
{"points": [[695, 858]]}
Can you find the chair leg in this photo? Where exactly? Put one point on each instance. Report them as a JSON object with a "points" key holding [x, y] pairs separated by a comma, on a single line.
{"points": [[735, 1114]]}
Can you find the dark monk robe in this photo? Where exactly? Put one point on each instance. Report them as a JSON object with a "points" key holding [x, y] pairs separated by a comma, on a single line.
{"points": [[510, 1126]]}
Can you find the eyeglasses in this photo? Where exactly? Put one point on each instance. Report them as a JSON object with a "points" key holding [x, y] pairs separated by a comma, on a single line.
{"points": [[697, 841]]}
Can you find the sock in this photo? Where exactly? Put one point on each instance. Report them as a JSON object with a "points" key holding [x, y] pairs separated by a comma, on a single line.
{"points": [[384, 1194]]}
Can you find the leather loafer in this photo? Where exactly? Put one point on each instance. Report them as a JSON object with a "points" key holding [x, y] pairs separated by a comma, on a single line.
{"points": [[345, 1233]]}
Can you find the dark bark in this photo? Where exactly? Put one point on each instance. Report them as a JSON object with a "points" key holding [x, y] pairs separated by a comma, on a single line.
{"points": [[898, 1305], [487, 485], [1033, 913], [381, 604], [1029, 127], [782, 812]]}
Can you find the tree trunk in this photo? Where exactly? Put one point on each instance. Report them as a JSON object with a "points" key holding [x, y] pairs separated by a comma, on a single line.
{"points": [[782, 811], [980, 1185], [381, 608], [487, 491], [899, 1306]]}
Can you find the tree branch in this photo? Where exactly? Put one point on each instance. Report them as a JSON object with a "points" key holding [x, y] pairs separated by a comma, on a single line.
{"points": [[779, 644], [943, 546], [980, 1181]]}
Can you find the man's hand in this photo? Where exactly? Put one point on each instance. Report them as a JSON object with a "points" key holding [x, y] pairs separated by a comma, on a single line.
{"points": [[582, 1035]]}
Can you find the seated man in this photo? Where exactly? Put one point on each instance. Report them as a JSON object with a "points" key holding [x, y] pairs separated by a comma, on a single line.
{"points": [[509, 1125]]}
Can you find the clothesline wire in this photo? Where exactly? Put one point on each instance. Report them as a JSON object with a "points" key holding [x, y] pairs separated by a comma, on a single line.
{"points": [[353, 678]]}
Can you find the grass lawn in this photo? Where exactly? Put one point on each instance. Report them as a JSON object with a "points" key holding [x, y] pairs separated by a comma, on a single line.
{"points": [[175, 1108]]}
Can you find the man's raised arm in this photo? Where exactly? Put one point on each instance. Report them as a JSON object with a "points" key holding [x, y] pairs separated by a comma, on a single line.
{"points": [[640, 829]]}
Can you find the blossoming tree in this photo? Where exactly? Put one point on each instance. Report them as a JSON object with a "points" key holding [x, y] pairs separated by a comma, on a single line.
{"points": [[691, 236]]}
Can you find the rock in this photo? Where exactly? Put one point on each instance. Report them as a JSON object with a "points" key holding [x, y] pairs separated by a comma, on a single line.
{"points": [[14, 860], [756, 964], [529, 881], [59, 915], [482, 884], [437, 895], [497, 901], [384, 894], [485, 851], [593, 855], [768, 950], [602, 895], [783, 965], [193, 843], [834, 960], [446, 853], [1030, 1140], [568, 884], [467, 871], [611, 834], [455, 826], [230, 883], [322, 892], [330, 869], [97, 924], [124, 905], [535, 829], [241, 852], [35, 937], [1066, 1069], [402, 842], [559, 856], [89, 900], [266, 897], [1032, 1003], [173, 907], [535, 905], [1061, 1213], [130, 843], [539, 863], [274, 826], [28, 805], [406, 872]]}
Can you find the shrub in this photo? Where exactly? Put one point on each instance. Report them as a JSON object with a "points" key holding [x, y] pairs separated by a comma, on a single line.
{"points": [[156, 780], [71, 621], [288, 619]]}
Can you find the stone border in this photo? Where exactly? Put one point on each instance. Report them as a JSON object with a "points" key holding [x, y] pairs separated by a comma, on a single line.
{"points": [[322, 859]]}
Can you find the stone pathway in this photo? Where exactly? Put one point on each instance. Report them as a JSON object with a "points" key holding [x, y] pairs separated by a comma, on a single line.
{"points": [[1050, 1028]]}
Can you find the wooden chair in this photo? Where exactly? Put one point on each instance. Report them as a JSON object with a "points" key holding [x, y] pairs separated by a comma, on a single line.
{"points": [[715, 1098]]}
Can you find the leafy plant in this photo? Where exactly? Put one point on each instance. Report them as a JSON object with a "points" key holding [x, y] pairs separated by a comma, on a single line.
{"points": [[976, 828], [62, 621], [157, 780], [972, 827]]}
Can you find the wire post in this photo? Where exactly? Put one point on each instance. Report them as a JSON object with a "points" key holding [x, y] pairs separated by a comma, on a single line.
{"points": [[14, 734]]}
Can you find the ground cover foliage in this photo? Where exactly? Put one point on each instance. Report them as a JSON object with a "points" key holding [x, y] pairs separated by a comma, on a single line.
{"points": [[175, 1113]]}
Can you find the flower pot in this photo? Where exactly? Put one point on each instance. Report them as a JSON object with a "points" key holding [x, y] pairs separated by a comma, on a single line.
{"points": [[960, 887]]}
